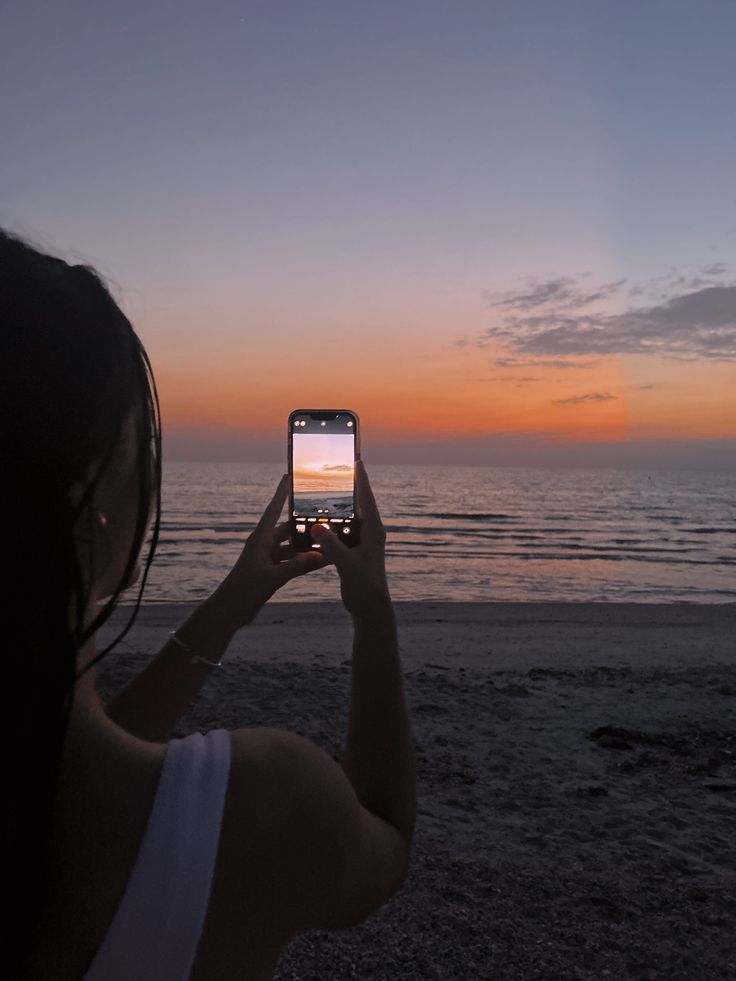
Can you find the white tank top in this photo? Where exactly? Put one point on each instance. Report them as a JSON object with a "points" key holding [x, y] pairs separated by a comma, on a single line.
{"points": [[156, 929]]}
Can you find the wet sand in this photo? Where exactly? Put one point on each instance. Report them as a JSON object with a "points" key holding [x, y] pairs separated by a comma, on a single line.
{"points": [[576, 771]]}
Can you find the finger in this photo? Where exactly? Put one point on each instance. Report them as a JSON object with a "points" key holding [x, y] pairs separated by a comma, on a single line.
{"points": [[330, 545], [281, 532], [368, 509], [304, 562], [274, 508], [281, 552]]}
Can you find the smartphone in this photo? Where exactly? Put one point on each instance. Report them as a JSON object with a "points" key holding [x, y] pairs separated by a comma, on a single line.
{"points": [[323, 447]]}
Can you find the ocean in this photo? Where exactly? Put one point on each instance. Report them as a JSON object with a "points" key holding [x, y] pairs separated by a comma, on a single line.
{"points": [[475, 533]]}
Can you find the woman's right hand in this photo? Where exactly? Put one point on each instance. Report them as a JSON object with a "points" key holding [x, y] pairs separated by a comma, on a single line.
{"points": [[362, 568]]}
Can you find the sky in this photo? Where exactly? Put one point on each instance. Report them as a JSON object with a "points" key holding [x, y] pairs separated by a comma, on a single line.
{"points": [[502, 233], [323, 463]]}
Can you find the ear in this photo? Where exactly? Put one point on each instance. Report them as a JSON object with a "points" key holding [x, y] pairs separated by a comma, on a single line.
{"points": [[75, 493], [78, 487]]}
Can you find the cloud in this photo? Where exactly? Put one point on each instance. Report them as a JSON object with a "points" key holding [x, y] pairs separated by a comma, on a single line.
{"points": [[675, 282], [562, 292], [507, 362], [581, 399], [340, 467], [550, 323], [714, 269], [475, 342], [553, 290], [519, 379]]}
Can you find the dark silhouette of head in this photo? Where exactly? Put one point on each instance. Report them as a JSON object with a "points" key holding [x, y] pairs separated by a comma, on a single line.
{"points": [[80, 418]]}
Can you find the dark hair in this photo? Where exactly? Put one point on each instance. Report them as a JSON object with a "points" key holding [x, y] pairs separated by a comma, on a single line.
{"points": [[72, 370]]}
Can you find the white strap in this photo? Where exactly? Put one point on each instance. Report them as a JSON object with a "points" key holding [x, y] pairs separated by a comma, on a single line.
{"points": [[156, 929]]}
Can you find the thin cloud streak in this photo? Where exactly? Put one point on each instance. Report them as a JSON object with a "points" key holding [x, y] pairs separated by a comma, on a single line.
{"points": [[562, 292], [584, 399], [561, 363], [519, 380]]}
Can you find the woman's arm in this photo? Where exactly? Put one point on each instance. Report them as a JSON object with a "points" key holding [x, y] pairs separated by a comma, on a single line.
{"points": [[154, 702], [379, 757], [151, 705]]}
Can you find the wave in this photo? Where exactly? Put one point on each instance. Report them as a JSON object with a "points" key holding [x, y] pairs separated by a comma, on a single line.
{"points": [[711, 531], [540, 556], [464, 516]]}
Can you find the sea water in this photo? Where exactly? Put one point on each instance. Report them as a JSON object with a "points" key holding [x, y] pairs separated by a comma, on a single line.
{"points": [[475, 533]]}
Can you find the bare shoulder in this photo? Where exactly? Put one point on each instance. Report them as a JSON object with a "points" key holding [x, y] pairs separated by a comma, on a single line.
{"points": [[316, 857]]}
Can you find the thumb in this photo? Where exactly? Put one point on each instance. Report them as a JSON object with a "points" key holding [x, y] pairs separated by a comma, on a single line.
{"points": [[329, 543]]}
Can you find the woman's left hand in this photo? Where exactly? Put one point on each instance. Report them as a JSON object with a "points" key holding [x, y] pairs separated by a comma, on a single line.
{"points": [[265, 564]]}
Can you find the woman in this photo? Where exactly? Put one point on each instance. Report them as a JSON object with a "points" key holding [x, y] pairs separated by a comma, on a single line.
{"points": [[129, 854]]}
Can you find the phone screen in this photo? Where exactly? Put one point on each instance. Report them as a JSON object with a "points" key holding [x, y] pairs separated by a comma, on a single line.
{"points": [[323, 445]]}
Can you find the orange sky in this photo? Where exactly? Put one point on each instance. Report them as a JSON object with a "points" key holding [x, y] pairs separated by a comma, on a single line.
{"points": [[447, 392]]}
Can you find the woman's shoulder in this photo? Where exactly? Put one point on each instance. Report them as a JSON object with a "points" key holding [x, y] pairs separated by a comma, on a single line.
{"points": [[280, 828], [297, 851], [296, 844]]}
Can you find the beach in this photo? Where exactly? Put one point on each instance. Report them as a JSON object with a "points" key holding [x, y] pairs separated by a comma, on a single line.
{"points": [[576, 781]]}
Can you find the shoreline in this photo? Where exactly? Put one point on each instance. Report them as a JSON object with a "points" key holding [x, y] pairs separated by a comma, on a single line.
{"points": [[499, 636]]}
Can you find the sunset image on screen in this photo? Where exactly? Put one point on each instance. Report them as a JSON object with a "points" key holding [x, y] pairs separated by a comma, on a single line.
{"points": [[323, 467]]}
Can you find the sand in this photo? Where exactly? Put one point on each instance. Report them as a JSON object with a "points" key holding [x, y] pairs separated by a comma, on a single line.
{"points": [[576, 779]]}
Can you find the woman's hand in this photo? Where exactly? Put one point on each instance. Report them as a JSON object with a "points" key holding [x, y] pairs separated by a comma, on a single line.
{"points": [[265, 564], [361, 567]]}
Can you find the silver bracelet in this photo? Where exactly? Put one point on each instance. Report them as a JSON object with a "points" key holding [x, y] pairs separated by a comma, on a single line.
{"points": [[194, 657]]}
